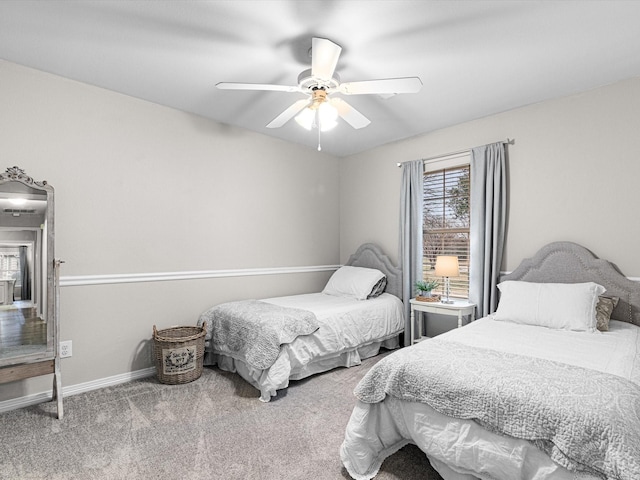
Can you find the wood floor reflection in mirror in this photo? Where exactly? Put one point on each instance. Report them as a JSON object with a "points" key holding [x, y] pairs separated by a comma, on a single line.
{"points": [[21, 330]]}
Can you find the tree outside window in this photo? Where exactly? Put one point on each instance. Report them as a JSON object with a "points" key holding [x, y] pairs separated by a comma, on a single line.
{"points": [[446, 220]]}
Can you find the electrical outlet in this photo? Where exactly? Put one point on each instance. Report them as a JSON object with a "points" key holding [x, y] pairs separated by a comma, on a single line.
{"points": [[65, 349]]}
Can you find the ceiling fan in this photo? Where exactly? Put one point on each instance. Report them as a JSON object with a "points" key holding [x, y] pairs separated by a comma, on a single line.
{"points": [[321, 108]]}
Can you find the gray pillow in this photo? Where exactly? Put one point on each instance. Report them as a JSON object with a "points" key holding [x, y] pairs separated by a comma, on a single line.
{"points": [[378, 288], [604, 308]]}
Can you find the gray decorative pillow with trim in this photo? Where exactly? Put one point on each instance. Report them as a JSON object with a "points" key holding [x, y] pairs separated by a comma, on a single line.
{"points": [[604, 308]]}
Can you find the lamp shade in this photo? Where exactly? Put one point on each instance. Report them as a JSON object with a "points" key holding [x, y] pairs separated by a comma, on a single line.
{"points": [[324, 116], [306, 118], [327, 116], [446, 266]]}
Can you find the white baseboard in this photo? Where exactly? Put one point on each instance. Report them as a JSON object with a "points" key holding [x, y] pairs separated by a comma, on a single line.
{"points": [[36, 398]]}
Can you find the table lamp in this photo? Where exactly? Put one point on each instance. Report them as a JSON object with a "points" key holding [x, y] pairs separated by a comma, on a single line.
{"points": [[446, 266]]}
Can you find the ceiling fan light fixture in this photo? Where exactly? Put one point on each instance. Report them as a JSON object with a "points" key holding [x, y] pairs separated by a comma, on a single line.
{"points": [[327, 116], [320, 114], [306, 118], [325, 127]]}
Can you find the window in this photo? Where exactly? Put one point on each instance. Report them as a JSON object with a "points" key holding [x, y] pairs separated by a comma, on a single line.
{"points": [[10, 264], [445, 224]]}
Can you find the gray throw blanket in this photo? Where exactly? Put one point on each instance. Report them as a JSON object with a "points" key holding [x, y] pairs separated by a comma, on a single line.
{"points": [[253, 331], [583, 419]]}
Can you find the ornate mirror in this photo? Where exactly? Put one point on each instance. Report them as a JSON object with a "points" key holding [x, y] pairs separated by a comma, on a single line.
{"points": [[28, 281]]}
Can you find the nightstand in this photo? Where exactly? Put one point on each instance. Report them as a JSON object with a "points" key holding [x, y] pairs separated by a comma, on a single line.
{"points": [[458, 308]]}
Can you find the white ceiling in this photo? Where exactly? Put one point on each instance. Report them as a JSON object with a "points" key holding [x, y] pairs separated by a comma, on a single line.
{"points": [[475, 58]]}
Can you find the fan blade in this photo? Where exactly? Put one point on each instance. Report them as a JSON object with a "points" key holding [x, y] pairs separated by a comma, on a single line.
{"points": [[352, 116], [324, 58], [387, 86], [257, 86], [289, 113]]}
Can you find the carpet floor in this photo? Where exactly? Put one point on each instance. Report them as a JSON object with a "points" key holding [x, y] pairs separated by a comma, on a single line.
{"points": [[212, 428]]}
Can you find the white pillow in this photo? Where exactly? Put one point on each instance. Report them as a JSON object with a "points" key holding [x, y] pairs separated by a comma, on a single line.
{"points": [[562, 306], [357, 282]]}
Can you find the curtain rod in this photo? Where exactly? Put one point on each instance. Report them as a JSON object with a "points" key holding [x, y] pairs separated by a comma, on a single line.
{"points": [[508, 141]]}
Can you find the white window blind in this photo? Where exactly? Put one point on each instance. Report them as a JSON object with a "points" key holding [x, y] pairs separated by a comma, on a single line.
{"points": [[446, 224]]}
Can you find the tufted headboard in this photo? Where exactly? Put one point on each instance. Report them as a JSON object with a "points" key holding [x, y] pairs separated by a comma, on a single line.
{"points": [[370, 255], [567, 262]]}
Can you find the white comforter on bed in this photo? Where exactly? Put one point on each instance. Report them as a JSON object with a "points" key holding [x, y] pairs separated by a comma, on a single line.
{"points": [[349, 330], [462, 449]]}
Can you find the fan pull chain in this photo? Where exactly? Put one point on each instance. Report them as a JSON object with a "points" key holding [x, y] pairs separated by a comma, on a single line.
{"points": [[319, 146]]}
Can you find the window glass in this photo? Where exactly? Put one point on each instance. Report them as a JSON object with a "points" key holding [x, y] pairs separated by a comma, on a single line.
{"points": [[9, 263], [446, 224]]}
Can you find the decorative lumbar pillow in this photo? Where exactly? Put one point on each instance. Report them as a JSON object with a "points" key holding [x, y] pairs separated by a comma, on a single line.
{"points": [[604, 309], [379, 288], [357, 282], [563, 306]]}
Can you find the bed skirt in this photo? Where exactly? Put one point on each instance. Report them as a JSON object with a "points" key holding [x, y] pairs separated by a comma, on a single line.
{"points": [[278, 375]]}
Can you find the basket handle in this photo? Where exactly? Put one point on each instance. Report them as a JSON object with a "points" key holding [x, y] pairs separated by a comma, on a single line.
{"points": [[155, 331]]}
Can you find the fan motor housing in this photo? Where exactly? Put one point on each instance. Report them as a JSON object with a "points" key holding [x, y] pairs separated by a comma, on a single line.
{"points": [[308, 81]]}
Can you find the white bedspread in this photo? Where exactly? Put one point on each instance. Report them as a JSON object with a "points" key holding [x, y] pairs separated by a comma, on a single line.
{"points": [[616, 351], [344, 323], [461, 449]]}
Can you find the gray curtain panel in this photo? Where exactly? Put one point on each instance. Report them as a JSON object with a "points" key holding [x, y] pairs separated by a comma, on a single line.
{"points": [[410, 235], [488, 218], [26, 275]]}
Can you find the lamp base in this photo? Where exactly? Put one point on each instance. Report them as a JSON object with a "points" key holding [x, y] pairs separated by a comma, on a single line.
{"points": [[447, 292]]}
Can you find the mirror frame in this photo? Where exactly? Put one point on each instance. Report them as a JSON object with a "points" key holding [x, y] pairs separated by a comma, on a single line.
{"points": [[48, 278]]}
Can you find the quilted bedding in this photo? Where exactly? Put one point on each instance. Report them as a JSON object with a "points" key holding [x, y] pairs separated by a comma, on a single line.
{"points": [[583, 419], [350, 330], [253, 331]]}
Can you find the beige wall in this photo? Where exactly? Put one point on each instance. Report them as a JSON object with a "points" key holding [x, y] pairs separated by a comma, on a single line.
{"points": [[574, 175], [140, 188], [137, 183]]}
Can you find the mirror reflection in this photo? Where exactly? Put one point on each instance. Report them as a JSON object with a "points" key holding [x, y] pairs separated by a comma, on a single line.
{"points": [[23, 315]]}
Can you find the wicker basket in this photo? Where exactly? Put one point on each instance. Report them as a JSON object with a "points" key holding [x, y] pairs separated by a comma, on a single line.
{"points": [[432, 298], [178, 353]]}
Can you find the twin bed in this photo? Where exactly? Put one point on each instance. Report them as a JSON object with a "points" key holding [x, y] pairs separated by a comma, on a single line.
{"points": [[358, 311], [547, 388]]}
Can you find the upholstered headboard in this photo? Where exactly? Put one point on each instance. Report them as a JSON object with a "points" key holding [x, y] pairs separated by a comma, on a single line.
{"points": [[567, 262], [369, 255]]}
